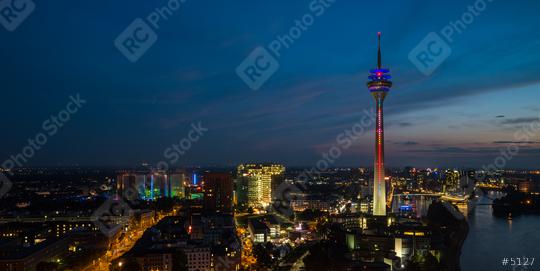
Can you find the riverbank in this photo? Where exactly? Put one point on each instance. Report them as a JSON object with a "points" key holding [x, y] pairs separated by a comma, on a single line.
{"points": [[492, 238], [516, 203]]}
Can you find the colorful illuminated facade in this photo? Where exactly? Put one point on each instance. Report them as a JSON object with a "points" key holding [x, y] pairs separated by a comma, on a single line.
{"points": [[150, 186], [177, 184], [379, 85]]}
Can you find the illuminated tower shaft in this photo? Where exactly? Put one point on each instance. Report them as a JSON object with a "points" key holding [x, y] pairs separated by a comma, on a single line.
{"points": [[379, 187], [379, 85]]}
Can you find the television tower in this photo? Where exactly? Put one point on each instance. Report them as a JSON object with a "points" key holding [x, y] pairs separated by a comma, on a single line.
{"points": [[379, 85]]}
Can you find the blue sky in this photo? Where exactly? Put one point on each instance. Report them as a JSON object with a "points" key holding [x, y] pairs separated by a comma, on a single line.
{"points": [[460, 115]]}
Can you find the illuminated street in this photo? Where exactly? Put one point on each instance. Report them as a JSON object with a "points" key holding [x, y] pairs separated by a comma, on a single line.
{"points": [[119, 247]]}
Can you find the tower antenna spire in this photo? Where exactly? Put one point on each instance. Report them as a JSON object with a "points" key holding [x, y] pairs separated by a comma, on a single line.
{"points": [[379, 60]]}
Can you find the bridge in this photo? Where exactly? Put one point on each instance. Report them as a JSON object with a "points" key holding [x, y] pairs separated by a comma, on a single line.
{"points": [[419, 194], [449, 197], [440, 195]]}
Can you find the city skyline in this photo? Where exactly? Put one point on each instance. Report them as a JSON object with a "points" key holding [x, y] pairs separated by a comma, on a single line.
{"points": [[460, 115], [184, 135]]}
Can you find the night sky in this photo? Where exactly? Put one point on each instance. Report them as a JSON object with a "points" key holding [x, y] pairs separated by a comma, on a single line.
{"points": [[461, 115]]}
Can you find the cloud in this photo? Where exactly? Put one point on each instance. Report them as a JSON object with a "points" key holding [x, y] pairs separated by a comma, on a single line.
{"points": [[520, 120], [533, 108], [516, 142], [407, 143], [404, 124], [460, 150], [456, 150], [467, 152]]}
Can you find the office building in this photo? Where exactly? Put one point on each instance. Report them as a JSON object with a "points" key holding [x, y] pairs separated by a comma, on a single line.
{"points": [[259, 178], [218, 192]]}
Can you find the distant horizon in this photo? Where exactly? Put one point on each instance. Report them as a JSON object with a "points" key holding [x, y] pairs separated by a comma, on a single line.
{"points": [[286, 166]]}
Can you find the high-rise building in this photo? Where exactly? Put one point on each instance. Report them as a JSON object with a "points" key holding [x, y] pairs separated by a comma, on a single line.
{"points": [[159, 185], [259, 183], [451, 182], [126, 186], [379, 85], [241, 191], [177, 184], [218, 192], [140, 183]]}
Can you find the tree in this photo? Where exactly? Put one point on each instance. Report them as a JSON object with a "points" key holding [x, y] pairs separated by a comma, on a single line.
{"points": [[431, 262], [423, 261]]}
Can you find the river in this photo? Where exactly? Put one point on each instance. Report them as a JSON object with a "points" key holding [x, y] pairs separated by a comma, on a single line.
{"points": [[491, 239]]}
